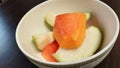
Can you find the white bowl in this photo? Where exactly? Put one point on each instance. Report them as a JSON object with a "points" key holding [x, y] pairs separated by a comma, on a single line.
{"points": [[33, 23]]}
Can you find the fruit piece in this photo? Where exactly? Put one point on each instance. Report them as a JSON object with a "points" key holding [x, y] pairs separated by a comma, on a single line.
{"points": [[88, 48], [50, 18], [88, 15], [69, 29], [41, 40], [49, 50]]}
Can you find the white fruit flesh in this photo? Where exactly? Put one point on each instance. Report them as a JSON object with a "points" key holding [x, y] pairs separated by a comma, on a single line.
{"points": [[88, 48], [50, 18], [88, 15], [41, 40]]}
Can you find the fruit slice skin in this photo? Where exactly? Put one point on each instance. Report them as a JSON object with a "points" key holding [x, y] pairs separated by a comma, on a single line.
{"points": [[49, 50], [88, 48], [69, 29], [41, 40], [50, 18]]}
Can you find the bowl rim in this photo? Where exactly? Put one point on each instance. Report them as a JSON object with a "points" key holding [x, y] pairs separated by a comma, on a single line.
{"points": [[75, 62]]}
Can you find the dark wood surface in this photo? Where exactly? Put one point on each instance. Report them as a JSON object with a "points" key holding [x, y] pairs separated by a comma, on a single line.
{"points": [[10, 14]]}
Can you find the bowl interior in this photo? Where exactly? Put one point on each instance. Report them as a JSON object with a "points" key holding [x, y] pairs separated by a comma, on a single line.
{"points": [[33, 22]]}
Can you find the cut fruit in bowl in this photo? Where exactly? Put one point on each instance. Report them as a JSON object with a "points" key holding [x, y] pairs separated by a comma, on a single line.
{"points": [[69, 44]]}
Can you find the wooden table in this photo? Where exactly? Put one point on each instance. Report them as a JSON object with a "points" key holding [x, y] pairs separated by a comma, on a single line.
{"points": [[10, 14]]}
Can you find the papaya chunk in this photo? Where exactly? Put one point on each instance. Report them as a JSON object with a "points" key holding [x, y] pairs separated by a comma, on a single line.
{"points": [[49, 50], [69, 29]]}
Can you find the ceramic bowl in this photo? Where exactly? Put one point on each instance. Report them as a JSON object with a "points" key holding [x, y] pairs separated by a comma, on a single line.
{"points": [[33, 23]]}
